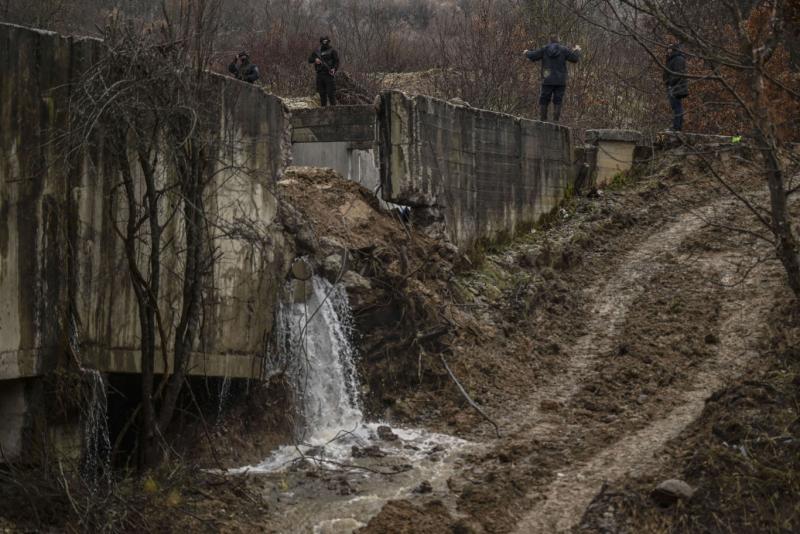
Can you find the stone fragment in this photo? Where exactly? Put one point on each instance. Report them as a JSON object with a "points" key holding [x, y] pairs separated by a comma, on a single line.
{"points": [[332, 267], [302, 270], [331, 244], [354, 281], [548, 405], [424, 488], [372, 451], [385, 433], [301, 291], [671, 491]]}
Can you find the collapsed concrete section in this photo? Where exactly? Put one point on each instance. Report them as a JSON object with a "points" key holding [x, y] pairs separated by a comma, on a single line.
{"points": [[487, 174], [62, 267], [343, 138], [614, 152]]}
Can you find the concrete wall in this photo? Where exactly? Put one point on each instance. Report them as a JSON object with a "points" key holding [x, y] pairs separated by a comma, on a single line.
{"points": [[615, 153], [487, 172], [60, 260], [343, 138]]}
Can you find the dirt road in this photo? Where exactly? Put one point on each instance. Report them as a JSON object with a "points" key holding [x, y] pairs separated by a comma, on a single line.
{"points": [[742, 309], [667, 310]]}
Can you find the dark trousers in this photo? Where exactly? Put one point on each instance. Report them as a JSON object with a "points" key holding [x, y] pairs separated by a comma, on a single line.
{"points": [[554, 92], [326, 87], [677, 113]]}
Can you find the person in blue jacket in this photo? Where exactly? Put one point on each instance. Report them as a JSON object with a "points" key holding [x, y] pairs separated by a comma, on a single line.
{"points": [[554, 59]]}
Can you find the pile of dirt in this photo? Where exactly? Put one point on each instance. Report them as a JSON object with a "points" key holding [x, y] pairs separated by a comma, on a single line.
{"points": [[402, 517], [419, 82], [399, 282]]}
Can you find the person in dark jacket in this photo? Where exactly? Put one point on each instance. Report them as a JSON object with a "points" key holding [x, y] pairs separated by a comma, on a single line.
{"points": [[326, 62], [245, 70], [677, 84], [554, 59]]}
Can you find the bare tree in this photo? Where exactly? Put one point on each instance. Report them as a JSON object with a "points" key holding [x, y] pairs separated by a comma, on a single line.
{"points": [[735, 45], [148, 105]]}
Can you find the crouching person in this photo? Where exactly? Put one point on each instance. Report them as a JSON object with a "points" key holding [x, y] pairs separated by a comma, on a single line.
{"points": [[244, 70]]}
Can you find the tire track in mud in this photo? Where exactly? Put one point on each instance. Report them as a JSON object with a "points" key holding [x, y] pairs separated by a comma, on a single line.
{"points": [[610, 304], [570, 494], [513, 472]]}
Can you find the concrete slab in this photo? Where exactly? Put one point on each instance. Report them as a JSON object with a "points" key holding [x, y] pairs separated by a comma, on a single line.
{"points": [[58, 251], [615, 152]]}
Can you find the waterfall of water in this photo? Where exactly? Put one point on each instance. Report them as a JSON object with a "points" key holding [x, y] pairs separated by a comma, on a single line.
{"points": [[315, 352], [316, 334]]}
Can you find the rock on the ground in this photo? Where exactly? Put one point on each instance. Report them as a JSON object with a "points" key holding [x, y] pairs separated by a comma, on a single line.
{"points": [[423, 488], [355, 282], [302, 270], [671, 491], [332, 267], [367, 452], [331, 244], [386, 434], [548, 405], [359, 290]]}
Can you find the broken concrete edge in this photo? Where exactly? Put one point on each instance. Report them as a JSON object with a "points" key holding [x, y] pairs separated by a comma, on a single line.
{"points": [[27, 363]]}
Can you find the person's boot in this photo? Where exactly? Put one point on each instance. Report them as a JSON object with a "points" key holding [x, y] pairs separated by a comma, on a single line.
{"points": [[543, 112], [556, 112]]}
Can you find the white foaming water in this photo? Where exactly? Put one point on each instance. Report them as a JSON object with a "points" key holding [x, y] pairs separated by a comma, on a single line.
{"points": [[319, 344], [315, 351]]}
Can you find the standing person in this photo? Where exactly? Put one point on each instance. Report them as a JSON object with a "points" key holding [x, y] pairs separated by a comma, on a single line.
{"points": [[554, 59], [677, 85], [326, 63], [245, 70]]}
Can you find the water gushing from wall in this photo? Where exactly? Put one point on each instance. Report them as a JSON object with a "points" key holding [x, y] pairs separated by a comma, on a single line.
{"points": [[314, 335], [315, 352]]}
